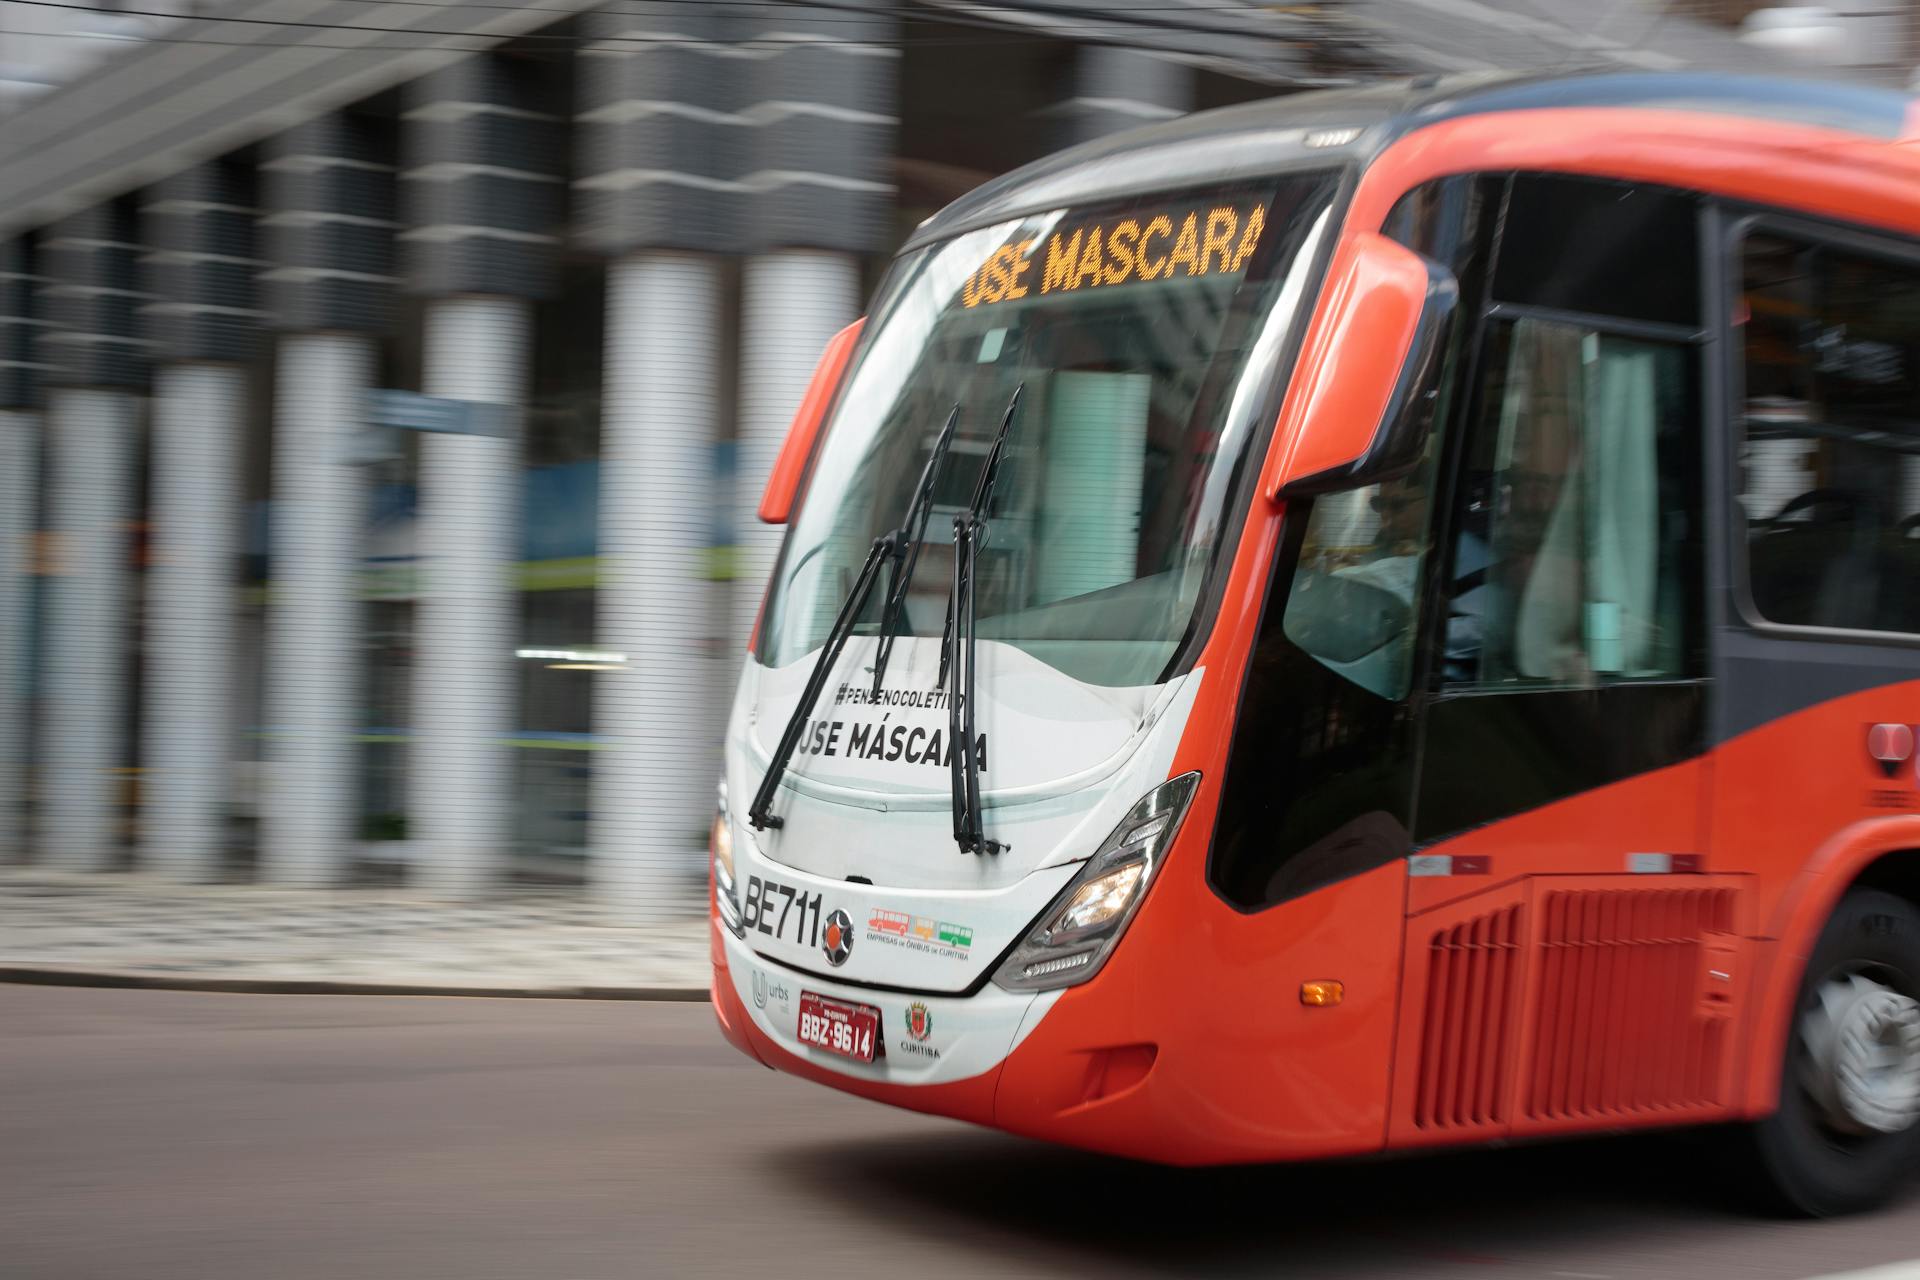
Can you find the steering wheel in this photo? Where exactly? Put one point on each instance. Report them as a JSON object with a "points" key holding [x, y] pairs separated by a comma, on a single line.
{"points": [[1846, 498]]}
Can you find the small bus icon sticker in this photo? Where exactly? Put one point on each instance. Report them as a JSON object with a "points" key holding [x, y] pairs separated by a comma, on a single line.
{"points": [[894, 922]]}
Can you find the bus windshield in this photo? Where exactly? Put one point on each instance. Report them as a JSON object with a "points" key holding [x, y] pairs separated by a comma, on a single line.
{"points": [[1143, 336]]}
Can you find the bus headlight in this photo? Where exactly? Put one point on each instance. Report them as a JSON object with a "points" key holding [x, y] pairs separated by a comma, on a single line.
{"points": [[720, 844], [1078, 931]]}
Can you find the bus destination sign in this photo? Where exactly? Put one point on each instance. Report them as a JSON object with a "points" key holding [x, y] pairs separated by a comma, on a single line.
{"points": [[1178, 243]]}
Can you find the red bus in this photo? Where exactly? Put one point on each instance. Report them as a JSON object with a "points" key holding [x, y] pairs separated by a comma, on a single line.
{"points": [[1378, 620]]}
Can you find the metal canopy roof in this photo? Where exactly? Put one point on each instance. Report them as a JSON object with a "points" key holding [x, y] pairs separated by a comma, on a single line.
{"points": [[170, 103]]}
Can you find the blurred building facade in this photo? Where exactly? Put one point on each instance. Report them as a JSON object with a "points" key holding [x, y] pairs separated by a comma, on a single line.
{"points": [[243, 633]]}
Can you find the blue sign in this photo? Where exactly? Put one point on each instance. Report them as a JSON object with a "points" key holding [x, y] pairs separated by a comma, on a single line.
{"points": [[410, 411]]}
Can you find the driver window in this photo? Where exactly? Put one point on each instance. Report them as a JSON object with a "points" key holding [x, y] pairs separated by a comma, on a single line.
{"points": [[1572, 539]]}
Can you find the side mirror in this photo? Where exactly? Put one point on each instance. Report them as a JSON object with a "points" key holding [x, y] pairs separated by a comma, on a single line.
{"points": [[1342, 620], [783, 483], [1365, 388]]}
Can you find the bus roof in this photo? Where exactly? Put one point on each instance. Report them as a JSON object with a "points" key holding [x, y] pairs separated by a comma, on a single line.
{"points": [[1349, 126]]}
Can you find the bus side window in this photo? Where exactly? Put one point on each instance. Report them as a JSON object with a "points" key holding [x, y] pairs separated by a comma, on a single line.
{"points": [[1573, 540], [1830, 453]]}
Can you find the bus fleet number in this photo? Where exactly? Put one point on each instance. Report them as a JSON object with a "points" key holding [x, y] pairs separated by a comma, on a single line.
{"points": [[770, 905]]}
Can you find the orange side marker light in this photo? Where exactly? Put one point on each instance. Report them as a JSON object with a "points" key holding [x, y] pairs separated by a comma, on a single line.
{"points": [[1323, 993]]}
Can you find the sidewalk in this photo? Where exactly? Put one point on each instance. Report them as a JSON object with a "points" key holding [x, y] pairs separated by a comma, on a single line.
{"points": [[130, 930]]}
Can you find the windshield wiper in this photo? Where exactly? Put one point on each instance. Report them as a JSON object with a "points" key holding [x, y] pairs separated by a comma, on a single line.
{"points": [[913, 530], [761, 816], [957, 649], [896, 546]]}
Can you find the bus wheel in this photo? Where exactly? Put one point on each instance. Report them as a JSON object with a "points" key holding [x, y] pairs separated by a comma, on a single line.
{"points": [[1847, 1132]]}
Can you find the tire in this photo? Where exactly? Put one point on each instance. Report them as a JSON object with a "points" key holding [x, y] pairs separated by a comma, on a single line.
{"points": [[1807, 1165]]}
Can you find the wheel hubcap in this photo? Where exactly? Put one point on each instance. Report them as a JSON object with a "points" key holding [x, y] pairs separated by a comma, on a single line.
{"points": [[1863, 1064]]}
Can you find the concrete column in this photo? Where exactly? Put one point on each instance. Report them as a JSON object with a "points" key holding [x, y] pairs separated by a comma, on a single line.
{"points": [[199, 434], [792, 302], [687, 150], [328, 190], [93, 442], [1115, 89], [820, 120], [19, 472], [311, 811], [662, 155], [653, 778], [481, 191], [200, 225], [93, 418], [466, 693], [20, 434]]}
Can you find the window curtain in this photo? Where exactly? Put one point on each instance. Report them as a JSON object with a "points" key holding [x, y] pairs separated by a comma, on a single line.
{"points": [[1580, 423], [1623, 508]]}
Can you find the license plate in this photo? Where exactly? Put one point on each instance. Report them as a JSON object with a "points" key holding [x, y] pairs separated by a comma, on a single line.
{"points": [[848, 1030]]}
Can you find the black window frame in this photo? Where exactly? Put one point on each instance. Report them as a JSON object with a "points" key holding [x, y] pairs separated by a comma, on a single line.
{"points": [[1469, 408]]}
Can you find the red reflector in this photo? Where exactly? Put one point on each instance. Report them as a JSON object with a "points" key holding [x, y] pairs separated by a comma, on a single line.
{"points": [[1472, 864]]}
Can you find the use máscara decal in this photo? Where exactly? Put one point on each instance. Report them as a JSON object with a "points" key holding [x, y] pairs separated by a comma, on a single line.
{"points": [[858, 740]]}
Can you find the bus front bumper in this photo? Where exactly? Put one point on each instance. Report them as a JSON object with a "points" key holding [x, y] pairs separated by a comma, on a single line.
{"points": [[939, 1054]]}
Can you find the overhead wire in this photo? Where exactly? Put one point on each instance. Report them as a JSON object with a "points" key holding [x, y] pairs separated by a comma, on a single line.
{"points": [[1135, 16], [432, 42], [850, 7]]}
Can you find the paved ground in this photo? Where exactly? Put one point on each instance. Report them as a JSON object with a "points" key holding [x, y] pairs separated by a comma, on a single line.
{"points": [[201, 1136], [148, 929]]}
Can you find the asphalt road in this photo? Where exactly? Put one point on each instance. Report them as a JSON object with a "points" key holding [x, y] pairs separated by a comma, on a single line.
{"points": [[159, 1135]]}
